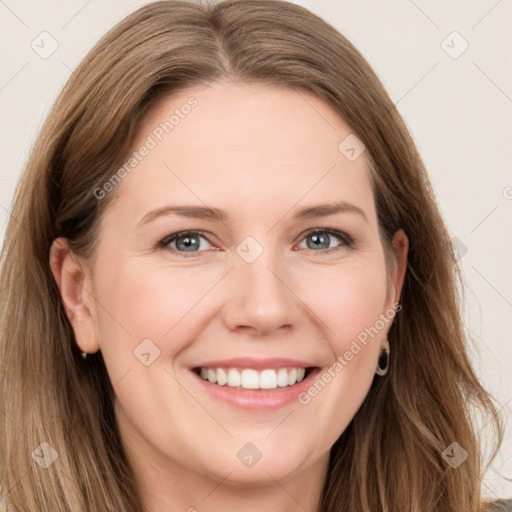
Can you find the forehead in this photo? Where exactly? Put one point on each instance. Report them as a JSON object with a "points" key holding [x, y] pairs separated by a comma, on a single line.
{"points": [[249, 145]]}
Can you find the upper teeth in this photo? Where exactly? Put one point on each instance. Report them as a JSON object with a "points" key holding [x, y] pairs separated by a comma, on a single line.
{"points": [[253, 379]]}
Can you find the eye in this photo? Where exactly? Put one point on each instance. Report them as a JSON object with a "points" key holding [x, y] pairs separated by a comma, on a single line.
{"points": [[186, 241], [191, 241], [322, 238]]}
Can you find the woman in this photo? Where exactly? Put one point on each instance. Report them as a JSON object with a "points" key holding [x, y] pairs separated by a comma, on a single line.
{"points": [[175, 335]]}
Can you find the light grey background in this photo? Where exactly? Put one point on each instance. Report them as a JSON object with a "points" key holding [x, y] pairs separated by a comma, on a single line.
{"points": [[458, 108]]}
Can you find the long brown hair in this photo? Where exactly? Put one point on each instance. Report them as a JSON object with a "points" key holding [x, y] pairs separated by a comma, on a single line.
{"points": [[390, 456]]}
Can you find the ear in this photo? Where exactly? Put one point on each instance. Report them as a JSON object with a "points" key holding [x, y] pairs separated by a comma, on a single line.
{"points": [[74, 283], [401, 248]]}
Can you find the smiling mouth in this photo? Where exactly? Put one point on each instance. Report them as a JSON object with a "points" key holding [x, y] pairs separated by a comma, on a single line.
{"points": [[249, 378]]}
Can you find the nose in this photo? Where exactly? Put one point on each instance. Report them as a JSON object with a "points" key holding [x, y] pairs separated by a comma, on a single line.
{"points": [[261, 297]]}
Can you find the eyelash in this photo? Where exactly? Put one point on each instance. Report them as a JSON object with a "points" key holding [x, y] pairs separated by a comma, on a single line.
{"points": [[347, 241]]}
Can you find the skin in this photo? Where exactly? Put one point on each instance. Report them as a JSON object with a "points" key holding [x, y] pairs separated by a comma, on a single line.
{"points": [[259, 152]]}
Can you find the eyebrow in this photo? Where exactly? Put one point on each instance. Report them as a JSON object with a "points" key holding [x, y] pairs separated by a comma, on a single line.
{"points": [[204, 212]]}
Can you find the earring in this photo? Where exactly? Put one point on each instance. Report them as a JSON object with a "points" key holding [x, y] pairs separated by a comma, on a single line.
{"points": [[84, 355], [383, 363]]}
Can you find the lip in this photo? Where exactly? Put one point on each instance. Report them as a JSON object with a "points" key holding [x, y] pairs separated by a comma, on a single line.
{"points": [[257, 400], [256, 364]]}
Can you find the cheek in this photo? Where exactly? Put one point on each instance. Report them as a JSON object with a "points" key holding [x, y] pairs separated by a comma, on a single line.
{"points": [[140, 301], [349, 301], [351, 306]]}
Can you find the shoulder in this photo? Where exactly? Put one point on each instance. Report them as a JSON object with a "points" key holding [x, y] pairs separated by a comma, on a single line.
{"points": [[501, 506]]}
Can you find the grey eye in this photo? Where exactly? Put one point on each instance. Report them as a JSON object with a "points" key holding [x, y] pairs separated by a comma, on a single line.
{"points": [[318, 241], [321, 239], [185, 242]]}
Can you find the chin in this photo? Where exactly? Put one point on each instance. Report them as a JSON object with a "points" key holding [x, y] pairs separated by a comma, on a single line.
{"points": [[250, 466]]}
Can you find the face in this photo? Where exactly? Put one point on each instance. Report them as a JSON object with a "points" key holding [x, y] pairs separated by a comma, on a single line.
{"points": [[242, 284]]}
